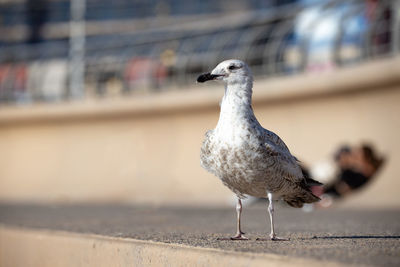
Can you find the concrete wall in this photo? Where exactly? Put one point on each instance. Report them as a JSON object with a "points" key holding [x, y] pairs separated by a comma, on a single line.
{"points": [[145, 149]]}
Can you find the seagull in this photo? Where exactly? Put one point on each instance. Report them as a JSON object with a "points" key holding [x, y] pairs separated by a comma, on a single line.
{"points": [[247, 158]]}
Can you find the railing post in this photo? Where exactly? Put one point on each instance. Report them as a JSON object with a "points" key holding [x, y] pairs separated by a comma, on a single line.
{"points": [[396, 27], [77, 49]]}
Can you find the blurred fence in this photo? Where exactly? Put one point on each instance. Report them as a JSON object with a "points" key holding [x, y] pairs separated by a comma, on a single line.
{"points": [[130, 46]]}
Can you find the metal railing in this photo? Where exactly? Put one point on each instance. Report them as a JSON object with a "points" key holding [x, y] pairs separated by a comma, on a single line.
{"points": [[168, 52]]}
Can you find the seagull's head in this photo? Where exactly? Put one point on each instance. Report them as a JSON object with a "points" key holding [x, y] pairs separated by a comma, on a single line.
{"points": [[230, 71]]}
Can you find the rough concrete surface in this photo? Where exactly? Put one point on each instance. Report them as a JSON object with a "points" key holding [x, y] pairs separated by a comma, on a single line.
{"points": [[361, 237]]}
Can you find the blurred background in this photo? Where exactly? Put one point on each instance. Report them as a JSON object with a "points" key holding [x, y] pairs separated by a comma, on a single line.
{"points": [[98, 100]]}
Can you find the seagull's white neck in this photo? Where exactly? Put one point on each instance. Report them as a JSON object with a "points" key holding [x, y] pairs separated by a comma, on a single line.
{"points": [[236, 106]]}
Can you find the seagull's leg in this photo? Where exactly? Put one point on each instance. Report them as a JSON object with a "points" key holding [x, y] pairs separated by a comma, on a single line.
{"points": [[271, 217], [239, 234]]}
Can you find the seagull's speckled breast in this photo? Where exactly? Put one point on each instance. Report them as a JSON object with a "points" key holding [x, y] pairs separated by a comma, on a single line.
{"points": [[245, 166]]}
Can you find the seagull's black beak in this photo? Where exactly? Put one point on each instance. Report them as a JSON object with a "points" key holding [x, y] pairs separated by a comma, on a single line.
{"points": [[206, 77]]}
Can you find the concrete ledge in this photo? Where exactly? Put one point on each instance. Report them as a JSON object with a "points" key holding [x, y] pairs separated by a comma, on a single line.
{"points": [[28, 247], [119, 235]]}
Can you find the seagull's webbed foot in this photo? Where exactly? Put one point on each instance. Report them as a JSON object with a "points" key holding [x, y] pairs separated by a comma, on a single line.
{"points": [[273, 238], [239, 236]]}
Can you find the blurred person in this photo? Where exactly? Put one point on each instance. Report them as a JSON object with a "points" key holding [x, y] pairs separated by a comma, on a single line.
{"points": [[13, 79], [356, 168], [144, 74], [380, 17]]}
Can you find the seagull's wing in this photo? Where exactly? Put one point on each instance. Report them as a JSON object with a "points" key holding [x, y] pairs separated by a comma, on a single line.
{"points": [[273, 138], [283, 162]]}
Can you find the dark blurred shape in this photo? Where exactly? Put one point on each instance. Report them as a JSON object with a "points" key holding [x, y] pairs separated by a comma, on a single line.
{"points": [[370, 156], [37, 14]]}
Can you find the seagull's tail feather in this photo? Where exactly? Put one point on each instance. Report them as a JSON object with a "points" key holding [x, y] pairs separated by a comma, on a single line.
{"points": [[297, 200], [312, 182]]}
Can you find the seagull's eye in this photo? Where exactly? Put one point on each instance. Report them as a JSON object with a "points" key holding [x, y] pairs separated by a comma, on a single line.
{"points": [[233, 67]]}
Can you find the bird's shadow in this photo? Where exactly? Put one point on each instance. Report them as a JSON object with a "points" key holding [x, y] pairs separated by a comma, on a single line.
{"points": [[358, 237]]}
